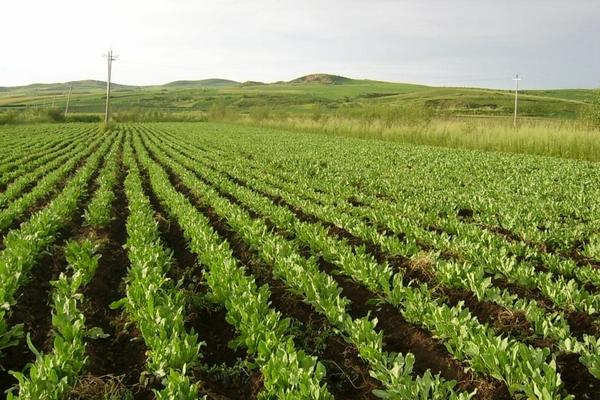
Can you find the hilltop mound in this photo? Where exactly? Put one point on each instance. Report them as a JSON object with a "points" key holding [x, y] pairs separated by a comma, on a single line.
{"points": [[78, 86], [324, 79], [215, 82], [252, 83]]}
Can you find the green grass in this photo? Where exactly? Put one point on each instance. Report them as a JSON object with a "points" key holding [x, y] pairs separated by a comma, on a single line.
{"points": [[550, 138]]}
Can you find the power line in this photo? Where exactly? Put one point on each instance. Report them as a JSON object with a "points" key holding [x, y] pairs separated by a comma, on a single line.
{"points": [[68, 100], [516, 79], [109, 58]]}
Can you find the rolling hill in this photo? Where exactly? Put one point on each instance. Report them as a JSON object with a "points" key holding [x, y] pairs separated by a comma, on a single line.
{"points": [[328, 92], [203, 83], [324, 79]]}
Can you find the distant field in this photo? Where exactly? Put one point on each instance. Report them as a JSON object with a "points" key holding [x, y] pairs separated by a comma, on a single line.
{"points": [[551, 122], [175, 260], [297, 97]]}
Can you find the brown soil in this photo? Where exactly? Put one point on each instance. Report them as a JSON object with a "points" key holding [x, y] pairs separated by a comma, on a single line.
{"points": [[219, 374], [355, 202], [34, 312], [121, 357], [525, 293], [347, 375], [577, 379], [302, 312], [43, 201], [402, 337], [503, 321], [33, 306], [582, 323], [465, 213]]}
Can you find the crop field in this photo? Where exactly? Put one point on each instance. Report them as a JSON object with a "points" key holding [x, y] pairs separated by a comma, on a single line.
{"points": [[199, 260]]}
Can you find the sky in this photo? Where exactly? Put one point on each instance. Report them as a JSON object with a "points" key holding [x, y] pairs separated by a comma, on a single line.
{"points": [[483, 43]]}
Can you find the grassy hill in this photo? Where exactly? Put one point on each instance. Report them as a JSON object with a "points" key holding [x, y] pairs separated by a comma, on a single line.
{"points": [[203, 83], [325, 79], [322, 92], [78, 86]]}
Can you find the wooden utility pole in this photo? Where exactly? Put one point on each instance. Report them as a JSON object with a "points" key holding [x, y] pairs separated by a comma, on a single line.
{"points": [[110, 59], [516, 79], [68, 99]]}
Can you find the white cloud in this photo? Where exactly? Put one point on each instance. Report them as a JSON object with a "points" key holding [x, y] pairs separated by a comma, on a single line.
{"points": [[554, 43]]}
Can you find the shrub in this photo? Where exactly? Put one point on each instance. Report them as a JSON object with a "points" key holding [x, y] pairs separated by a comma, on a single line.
{"points": [[8, 117], [56, 115], [83, 118]]}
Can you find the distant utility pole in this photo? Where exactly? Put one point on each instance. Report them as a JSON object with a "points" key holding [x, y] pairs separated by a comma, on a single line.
{"points": [[68, 99], [110, 59], [516, 79]]}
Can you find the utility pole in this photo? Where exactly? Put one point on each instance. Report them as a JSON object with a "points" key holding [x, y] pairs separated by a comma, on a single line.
{"points": [[68, 99], [516, 79], [110, 59]]}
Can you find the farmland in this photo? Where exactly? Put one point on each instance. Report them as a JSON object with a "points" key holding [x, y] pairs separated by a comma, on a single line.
{"points": [[563, 123], [300, 96], [182, 260]]}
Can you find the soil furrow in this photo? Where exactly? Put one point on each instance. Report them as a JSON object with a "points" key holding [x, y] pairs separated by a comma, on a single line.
{"points": [[117, 361]]}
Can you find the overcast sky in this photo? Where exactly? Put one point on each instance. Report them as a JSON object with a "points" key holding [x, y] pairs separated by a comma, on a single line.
{"points": [[551, 43]]}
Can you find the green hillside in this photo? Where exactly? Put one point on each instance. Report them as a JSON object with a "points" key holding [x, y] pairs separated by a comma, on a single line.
{"points": [[327, 93], [203, 83], [78, 86]]}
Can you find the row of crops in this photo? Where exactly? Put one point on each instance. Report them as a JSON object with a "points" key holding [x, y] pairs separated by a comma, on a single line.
{"points": [[185, 261]]}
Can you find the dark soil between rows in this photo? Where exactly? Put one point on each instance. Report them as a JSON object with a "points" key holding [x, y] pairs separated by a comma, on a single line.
{"points": [[33, 306], [577, 379], [347, 375], [220, 375], [33, 310], [403, 337], [574, 253], [119, 359]]}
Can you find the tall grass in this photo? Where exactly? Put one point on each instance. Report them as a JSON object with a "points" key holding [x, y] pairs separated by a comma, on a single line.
{"points": [[567, 139]]}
